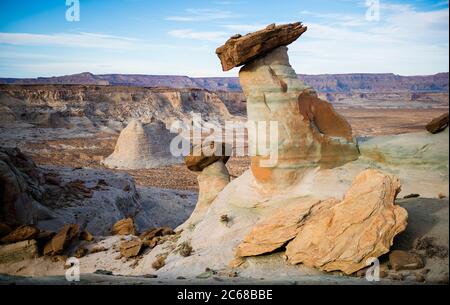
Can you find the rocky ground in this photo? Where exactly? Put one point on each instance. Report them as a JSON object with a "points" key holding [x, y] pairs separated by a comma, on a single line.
{"points": [[65, 147], [127, 226]]}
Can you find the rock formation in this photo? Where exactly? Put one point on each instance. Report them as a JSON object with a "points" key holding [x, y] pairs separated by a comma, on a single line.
{"points": [[124, 227], [59, 242], [360, 227], [310, 132], [142, 146], [209, 162], [332, 235], [20, 188], [239, 50], [438, 124]]}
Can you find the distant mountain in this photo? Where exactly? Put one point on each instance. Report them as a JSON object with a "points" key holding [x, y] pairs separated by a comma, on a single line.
{"points": [[325, 83]]}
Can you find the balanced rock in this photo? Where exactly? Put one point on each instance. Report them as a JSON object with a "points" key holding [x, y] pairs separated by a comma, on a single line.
{"points": [[59, 243], [142, 146], [19, 251], [310, 133], [20, 234], [204, 155], [212, 177], [438, 124], [239, 50], [362, 226], [124, 227]]}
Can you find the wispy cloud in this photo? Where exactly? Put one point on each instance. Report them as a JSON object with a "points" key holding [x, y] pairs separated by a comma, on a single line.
{"points": [[202, 15], [244, 28], [216, 36], [405, 38], [89, 41], [81, 40]]}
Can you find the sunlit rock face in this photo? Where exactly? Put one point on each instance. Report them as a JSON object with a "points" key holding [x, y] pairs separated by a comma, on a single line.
{"points": [[142, 146], [310, 133]]}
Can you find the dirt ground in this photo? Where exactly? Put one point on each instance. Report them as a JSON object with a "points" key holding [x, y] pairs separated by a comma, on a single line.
{"points": [[88, 152]]}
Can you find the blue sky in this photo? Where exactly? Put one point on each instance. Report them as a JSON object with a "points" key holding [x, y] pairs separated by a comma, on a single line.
{"points": [[180, 37]]}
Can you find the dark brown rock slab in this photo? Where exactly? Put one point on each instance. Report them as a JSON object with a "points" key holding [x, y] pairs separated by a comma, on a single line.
{"points": [[204, 155], [238, 50], [20, 234], [59, 243], [438, 124]]}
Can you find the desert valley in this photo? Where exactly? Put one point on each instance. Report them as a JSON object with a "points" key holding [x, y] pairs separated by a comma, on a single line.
{"points": [[362, 173]]}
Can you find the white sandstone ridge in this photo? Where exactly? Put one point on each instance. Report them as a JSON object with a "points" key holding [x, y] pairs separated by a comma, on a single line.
{"points": [[142, 146]]}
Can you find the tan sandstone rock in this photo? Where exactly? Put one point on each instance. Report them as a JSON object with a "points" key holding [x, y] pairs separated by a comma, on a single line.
{"points": [[403, 260], [20, 234], [22, 250], [438, 124], [130, 248], [124, 227], [239, 50], [310, 133], [211, 181], [361, 226], [272, 233], [59, 243], [202, 156]]}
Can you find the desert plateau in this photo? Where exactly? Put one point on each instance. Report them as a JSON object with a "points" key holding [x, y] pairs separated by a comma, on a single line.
{"points": [[267, 176]]}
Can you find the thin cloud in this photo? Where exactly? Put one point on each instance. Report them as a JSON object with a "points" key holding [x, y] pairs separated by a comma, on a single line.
{"points": [[244, 28], [202, 15], [405, 40], [207, 36], [81, 40]]}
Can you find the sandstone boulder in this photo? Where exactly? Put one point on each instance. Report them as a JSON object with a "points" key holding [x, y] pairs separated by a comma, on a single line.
{"points": [[403, 260], [124, 227], [130, 248], [20, 234], [360, 227], [59, 243], [239, 50], [85, 235], [19, 251], [274, 232], [142, 146], [438, 124], [332, 235]]}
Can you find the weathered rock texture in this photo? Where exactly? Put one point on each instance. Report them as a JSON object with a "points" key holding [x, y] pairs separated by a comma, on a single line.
{"points": [[361, 226], [202, 156], [239, 50], [212, 176], [124, 227], [310, 132], [438, 124], [19, 251], [59, 243], [275, 231], [19, 187], [332, 235], [142, 146], [20, 234]]}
